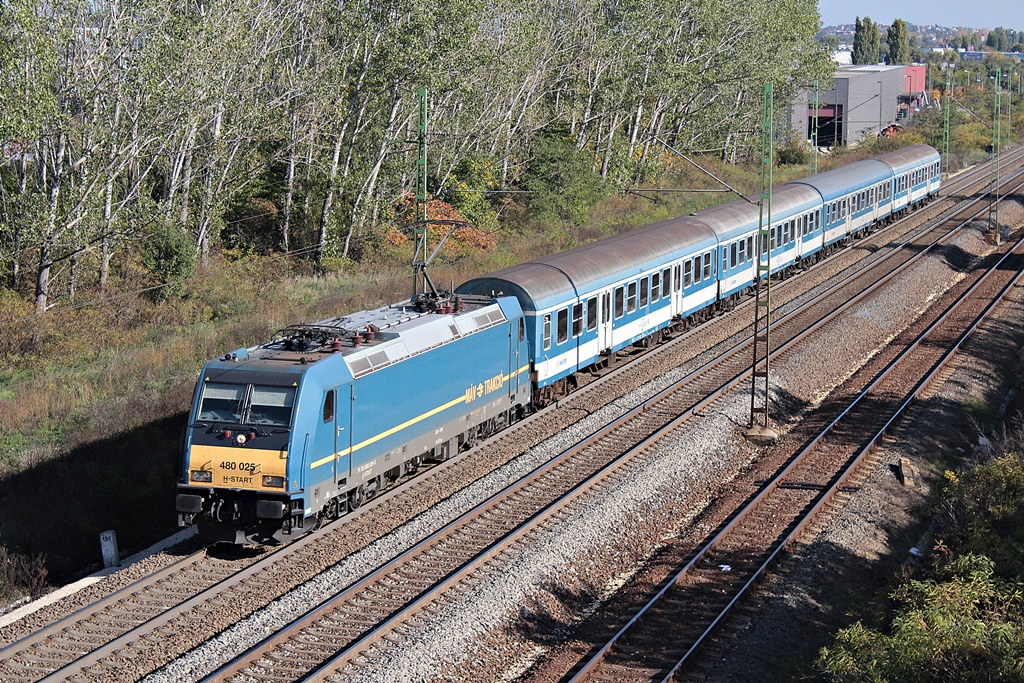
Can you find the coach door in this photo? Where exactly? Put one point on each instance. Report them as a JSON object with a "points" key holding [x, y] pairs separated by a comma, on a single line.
{"points": [[605, 325]]}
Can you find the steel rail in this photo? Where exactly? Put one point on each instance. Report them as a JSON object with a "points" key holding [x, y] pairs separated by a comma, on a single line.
{"points": [[597, 659]]}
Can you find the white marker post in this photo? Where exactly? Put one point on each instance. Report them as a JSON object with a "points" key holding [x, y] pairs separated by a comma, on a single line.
{"points": [[108, 544]]}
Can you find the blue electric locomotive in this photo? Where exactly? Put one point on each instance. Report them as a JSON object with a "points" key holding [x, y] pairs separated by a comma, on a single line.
{"points": [[311, 424]]}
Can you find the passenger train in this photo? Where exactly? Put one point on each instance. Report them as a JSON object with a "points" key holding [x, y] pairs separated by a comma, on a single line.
{"points": [[309, 425]]}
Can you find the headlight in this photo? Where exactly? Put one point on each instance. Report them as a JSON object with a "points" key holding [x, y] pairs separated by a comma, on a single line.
{"points": [[202, 475], [273, 482]]}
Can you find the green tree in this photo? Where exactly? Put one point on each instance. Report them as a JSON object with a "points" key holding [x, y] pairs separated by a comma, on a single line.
{"points": [[866, 42], [899, 43], [562, 178], [997, 39]]}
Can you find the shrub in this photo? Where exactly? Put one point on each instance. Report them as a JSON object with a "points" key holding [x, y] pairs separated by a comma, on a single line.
{"points": [[169, 255]]}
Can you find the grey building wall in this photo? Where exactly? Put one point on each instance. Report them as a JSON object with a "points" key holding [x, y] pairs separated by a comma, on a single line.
{"points": [[867, 96]]}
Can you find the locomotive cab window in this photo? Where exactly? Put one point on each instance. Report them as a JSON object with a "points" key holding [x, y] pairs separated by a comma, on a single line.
{"points": [[328, 407], [222, 402], [247, 404], [271, 406]]}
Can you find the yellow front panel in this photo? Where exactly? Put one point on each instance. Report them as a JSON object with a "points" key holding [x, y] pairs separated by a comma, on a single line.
{"points": [[238, 468]]}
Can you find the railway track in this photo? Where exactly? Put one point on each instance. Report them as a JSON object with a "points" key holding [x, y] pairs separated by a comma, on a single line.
{"points": [[356, 625], [152, 614], [658, 645]]}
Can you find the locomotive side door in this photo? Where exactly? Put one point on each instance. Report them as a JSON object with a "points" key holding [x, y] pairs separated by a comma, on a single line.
{"points": [[605, 324], [343, 433], [517, 333], [331, 444]]}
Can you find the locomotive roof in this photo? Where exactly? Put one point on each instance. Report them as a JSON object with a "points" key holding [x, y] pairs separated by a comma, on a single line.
{"points": [[552, 280], [386, 335]]}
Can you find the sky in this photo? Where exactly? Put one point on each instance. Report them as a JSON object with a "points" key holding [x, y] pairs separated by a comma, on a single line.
{"points": [[968, 13]]}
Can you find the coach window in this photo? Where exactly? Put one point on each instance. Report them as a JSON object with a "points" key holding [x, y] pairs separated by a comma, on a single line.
{"points": [[619, 302], [547, 331], [750, 247], [591, 313], [562, 326], [734, 254], [741, 251], [329, 406], [666, 282], [678, 279], [577, 320], [707, 265], [655, 287], [644, 285], [630, 297], [688, 273]]}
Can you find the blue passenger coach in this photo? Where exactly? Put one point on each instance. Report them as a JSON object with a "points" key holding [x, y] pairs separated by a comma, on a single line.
{"points": [[583, 305]]}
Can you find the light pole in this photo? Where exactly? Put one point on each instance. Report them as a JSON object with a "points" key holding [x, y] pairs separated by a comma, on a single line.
{"points": [[994, 210], [879, 108]]}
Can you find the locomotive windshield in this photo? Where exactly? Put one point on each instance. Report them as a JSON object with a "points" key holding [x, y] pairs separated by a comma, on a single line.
{"points": [[246, 404]]}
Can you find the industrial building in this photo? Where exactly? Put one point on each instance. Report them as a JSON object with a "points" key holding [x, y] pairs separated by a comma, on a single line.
{"points": [[863, 101]]}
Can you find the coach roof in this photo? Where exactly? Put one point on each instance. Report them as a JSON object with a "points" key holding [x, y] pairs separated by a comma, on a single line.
{"points": [[556, 279]]}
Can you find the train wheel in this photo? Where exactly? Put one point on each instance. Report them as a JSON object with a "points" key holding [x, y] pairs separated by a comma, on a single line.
{"points": [[373, 488], [356, 497]]}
